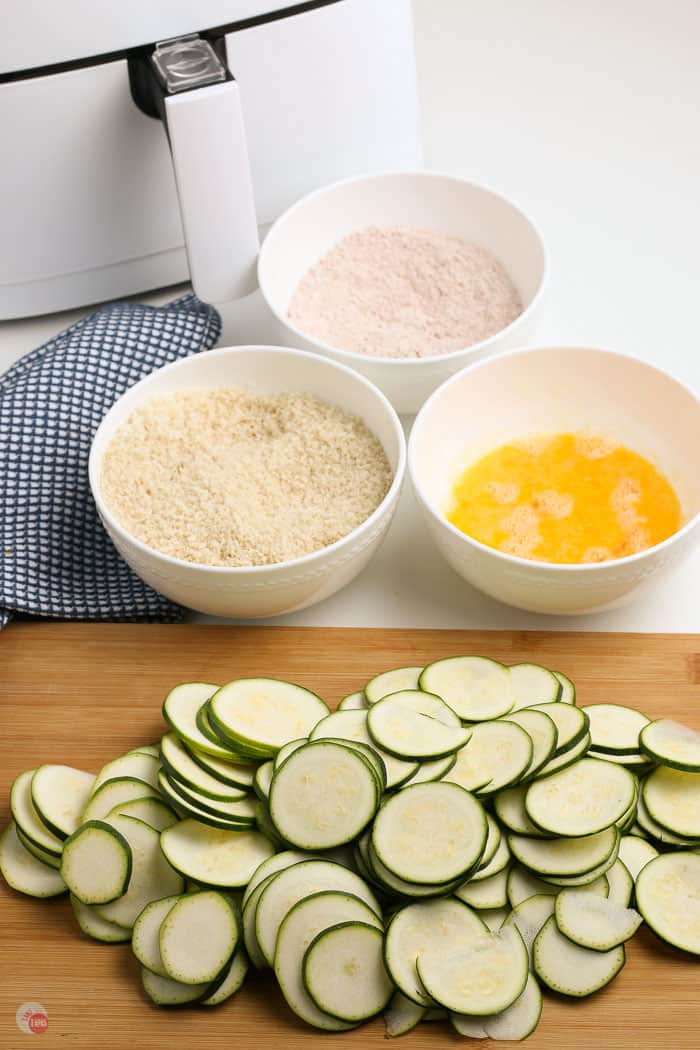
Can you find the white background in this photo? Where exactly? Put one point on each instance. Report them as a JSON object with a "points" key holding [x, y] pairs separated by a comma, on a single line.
{"points": [[588, 115]]}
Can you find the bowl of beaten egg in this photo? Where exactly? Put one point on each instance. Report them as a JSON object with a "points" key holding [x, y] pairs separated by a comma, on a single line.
{"points": [[248, 481], [560, 480]]}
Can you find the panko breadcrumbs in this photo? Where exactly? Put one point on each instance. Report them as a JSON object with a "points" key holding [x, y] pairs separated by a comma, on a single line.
{"points": [[228, 477]]}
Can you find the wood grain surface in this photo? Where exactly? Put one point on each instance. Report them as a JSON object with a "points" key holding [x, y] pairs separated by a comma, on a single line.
{"points": [[80, 694]]}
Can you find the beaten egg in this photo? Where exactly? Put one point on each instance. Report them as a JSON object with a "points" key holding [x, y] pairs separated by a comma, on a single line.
{"points": [[567, 498]]}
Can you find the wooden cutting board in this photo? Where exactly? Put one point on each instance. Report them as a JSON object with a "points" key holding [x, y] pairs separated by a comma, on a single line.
{"points": [[80, 694]]}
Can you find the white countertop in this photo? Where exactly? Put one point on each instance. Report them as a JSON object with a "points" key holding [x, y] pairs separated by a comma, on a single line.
{"points": [[587, 115]]}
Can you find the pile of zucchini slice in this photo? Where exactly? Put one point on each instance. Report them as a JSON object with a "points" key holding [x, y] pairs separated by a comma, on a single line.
{"points": [[450, 840]]}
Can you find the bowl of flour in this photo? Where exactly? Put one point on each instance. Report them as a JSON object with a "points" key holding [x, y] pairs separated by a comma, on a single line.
{"points": [[406, 277]]}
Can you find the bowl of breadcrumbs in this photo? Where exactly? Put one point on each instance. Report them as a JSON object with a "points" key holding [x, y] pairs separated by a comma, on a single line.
{"points": [[248, 481]]}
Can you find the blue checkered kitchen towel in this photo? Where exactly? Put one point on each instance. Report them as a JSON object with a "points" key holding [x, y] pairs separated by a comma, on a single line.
{"points": [[55, 557]]}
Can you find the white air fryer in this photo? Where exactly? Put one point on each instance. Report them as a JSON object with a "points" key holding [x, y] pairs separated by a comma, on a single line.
{"points": [[143, 142]]}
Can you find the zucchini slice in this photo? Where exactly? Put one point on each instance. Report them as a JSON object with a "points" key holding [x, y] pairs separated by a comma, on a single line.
{"points": [[571, 724], [369, 753], [353, 702], [586, 879], [112, 793], [495, 843], [630, 814], [265, 713], [151, 875], [285, 751], [566, 758], [568, 689], [438, 927], [391, 682], [635, 853], [288, 886], [672, 797], [264, 824], [533, 684], [180, 710], [668, 892], [270, 866], [151, 811], [305, 920], [530, 916], [468, 1026], [235, 976], [352, 726], [240, 810], [324, 795], [23, 871], [230, 816], [566, 856], [521, 884], [243, 750], [402, 1015], [519, 1020], [430, 833], [214, 856], [96, 863], [186, 810], [620, 883], [396, 886], [466, 773], [228, 770], [179, 764], [59, 794], [43, 855], [485, 975], [486, 893], [415, 725], [494, 917], [249, 915], [147, 749], [435, 769], [497, 755], [133, 764], [92, 923], [615, 728], [26, 817], [542, 732], [567, 968], [163, 991], [636, 763], [658, 832], [672, 744], [509, 806], [343, 971], [263, 780], [475, 687], [594, 922], [198, 936], [582, 799], [145, 938]]}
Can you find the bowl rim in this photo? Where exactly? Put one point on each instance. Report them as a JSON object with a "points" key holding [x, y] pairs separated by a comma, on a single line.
{"points": [[415, 362], [550, 567], [110, 522]]}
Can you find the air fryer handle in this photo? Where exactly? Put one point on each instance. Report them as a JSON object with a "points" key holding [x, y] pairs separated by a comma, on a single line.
{"points": [[210, 158]]}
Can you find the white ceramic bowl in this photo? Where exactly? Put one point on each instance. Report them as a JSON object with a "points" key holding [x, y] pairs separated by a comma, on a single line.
{"points": [[440, 202], [557, 390], [265, 590]]}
